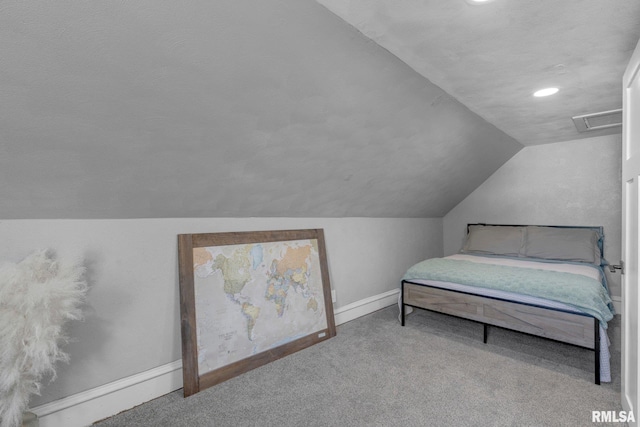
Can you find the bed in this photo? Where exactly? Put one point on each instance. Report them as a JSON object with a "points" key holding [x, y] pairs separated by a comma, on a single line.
{"points": [[541, 280]]}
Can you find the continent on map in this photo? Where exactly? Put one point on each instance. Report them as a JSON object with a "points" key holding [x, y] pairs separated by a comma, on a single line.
{"points": [[235, 269], [290, 270], [251, 312], [236, 273], [294, 261], [277, 293], [312, 304], [257, 254]]}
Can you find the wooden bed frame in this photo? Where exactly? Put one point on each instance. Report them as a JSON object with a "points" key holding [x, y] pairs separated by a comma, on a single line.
{"points": [[578, 329]]}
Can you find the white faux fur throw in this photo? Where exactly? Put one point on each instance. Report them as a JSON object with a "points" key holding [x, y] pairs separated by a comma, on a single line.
{"points": [[37, 296]]}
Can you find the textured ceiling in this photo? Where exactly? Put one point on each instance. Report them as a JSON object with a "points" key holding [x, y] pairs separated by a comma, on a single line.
{"points": [[129, 109], [493, 56]]}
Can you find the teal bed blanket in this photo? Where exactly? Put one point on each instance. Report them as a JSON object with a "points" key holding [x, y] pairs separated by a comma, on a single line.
{"points": [[583, 293]]}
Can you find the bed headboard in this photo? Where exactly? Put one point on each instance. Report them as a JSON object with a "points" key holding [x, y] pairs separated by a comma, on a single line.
{"points": [[582, 244]]}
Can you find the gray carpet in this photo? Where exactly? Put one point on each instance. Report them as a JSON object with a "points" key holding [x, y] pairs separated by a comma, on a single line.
{"points": [[435, 371]]}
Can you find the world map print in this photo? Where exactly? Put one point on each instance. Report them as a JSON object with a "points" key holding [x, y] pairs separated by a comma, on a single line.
{"points": [[254, 297]]}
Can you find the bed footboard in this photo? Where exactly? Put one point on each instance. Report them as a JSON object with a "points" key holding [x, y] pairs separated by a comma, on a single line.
{"points": [[578, 329]]}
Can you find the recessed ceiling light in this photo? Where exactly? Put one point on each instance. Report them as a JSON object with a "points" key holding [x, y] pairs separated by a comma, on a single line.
{"points": [[478, 1], [545, 92]]}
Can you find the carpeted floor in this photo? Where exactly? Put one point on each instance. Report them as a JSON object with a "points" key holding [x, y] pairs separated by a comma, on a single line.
{"points": [[435, 371]]}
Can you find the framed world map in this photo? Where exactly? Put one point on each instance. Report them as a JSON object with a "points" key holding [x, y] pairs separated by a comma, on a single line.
{"points": [[249, 298]]}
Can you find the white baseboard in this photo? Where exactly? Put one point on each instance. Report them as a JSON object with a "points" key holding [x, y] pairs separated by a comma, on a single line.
{"points": [[368, 305], [85, 408]]}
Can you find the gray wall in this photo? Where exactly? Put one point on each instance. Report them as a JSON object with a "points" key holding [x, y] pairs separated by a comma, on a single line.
{"points": [[132, 322], [566, 183]]}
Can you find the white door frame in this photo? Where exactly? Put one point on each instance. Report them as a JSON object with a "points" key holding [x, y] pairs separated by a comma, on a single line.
{"points": [[630, 233]]}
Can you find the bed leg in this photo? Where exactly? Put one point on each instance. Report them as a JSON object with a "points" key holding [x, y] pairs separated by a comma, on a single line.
{"points": [[486, 330], [402, 304], [596, 345]]}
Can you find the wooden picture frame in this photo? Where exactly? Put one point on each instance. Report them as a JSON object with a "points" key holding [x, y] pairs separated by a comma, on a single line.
{"points": [[242, 301]]}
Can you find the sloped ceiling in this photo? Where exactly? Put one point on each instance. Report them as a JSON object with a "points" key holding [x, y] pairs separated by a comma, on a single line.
{"points": [[493, 56], [128, 109]]}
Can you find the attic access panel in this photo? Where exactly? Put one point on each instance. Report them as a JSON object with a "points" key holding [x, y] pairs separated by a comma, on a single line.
{"points": [[597, 121]]}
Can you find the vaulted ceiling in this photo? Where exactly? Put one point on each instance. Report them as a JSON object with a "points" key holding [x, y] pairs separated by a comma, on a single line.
{"points": [[128, 109], [492, 56]]}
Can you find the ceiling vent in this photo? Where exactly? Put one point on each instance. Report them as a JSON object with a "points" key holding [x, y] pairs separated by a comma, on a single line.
{"points": [[597, 121]]}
